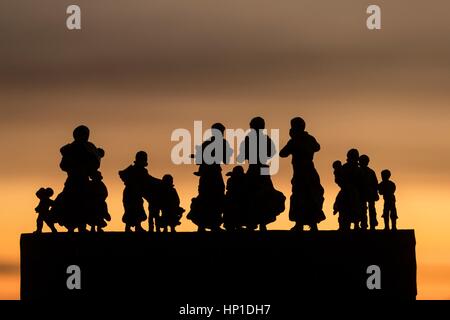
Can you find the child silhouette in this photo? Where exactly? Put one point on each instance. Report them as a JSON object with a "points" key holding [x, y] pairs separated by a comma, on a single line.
{"points": [[99, 207], [43, 209], [387, 189], [171, 212]]}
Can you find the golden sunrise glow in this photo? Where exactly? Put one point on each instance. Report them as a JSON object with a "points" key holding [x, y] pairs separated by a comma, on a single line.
{"points": [[133, 76]]}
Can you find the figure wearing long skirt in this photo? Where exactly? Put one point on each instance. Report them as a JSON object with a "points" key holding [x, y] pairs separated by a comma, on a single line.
{"points": [[264, 202], [80, 159], [207, 208], [99, 207], [235, 214], [307, 192]]}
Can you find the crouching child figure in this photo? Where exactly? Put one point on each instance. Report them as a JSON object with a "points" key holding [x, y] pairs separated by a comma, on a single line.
{"points": [[171, 212]]}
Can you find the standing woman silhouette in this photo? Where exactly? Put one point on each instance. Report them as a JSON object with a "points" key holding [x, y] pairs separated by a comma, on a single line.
{"points": [[207, 208], [264, 202], [307, 192]]}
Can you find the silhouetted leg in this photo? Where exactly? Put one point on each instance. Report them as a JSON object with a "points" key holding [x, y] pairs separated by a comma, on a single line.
{"points": [[165, 229], [172, 229], [313, 227], [297, 227], [139, 228], [364, 218], [394, 224], [394, 218], [372, 215], [262, 227], [386, 223], [127, 228], [82, 228], [345, 221], [93, 228], [52, 227], [39, 225], [201, 229]]}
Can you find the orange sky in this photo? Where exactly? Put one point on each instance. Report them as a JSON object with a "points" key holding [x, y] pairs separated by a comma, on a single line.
{"points": [[136, 73]]}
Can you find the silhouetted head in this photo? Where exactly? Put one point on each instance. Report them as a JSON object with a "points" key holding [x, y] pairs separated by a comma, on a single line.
{"points": [[167, 179], [298, 124], [81, 134], [237, 171], [257, 123], [364, 160], [219, 127], [141, 159], [337, 165], [353, 156], [100, 152], [44, 193], [385, 175], [97, 175]]}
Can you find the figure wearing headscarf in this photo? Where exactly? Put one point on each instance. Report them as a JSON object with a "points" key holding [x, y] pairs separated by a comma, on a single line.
{"points": [[307, 192], [265, 203], [235, 214], [80, 159], [207, 207]]}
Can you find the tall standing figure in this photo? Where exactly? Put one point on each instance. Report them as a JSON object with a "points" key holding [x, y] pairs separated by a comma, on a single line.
{"points": [[81, 160], [264, 202], [369, 193], [207, 208], [353, 207], [307, 193]]}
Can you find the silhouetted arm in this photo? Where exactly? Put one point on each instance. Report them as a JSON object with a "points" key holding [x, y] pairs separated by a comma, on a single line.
{"points": [[287, 150], [315, 144], [380, 188]]}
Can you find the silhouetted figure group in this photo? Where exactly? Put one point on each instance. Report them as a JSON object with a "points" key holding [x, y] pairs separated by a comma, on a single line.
{"points": [[83, 199], [248, 201], [164, 204], [358, 193]]}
